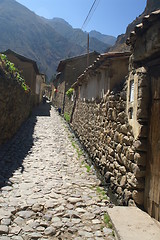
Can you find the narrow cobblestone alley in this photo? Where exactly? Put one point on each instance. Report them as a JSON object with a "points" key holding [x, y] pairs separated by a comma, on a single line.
{"points": [[46, 190]]}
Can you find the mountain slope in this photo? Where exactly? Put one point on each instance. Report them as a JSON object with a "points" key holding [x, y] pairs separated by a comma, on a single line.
{"points": [[98, 41], [26, 33], [103, 38]]}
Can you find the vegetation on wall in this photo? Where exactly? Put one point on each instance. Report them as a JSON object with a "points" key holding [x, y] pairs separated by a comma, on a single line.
{"points": [[10, 68]]}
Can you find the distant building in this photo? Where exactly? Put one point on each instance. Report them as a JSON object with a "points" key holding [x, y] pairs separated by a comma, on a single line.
{"points": [[40, 86], [68, 72], [103, 76]]}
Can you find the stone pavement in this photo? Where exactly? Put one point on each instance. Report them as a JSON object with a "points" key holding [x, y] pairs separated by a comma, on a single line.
{"points": [[47, 190]]}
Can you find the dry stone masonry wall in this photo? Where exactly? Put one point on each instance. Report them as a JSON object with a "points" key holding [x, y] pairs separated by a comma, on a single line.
{"points": [[105, 132], [15, 106]]}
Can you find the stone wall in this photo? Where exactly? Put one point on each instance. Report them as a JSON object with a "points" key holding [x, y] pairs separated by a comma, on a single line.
{"points": [[68, 105], [15, 106], [105, 132], [145, 73]]}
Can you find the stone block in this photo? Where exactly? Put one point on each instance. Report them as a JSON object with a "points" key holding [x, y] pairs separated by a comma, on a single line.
{"points": [[130, 154], [123, 181], [140, 158], [140, 183], [123, 159], [119, 190], [108, 176], [118, 137], [140, 145], [110, 151], [132, 181], [143, 131], [138, 197], [116, 165], [122, 169], [124, 129], [127, 195], [111, 166], [126, 140], [119, 148], [122, 117]]}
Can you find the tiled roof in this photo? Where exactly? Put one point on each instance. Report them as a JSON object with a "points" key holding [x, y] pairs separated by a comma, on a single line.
{"points": [[102, 60], [64, 61]]}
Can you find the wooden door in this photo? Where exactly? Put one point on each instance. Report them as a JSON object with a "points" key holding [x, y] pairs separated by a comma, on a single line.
{"points": [[152, 187]]}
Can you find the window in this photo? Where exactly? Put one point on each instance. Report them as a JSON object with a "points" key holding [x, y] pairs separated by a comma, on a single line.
{"points": [[131, 97], [130, 113]]}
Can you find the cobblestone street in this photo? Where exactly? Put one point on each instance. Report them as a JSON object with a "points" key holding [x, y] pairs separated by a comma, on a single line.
{"points": [[47, 189]]}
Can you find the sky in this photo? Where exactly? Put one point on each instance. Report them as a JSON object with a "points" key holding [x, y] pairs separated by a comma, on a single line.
{"points": [[109, 17]]}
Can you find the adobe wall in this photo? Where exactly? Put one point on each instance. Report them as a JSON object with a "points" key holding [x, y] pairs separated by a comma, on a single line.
{"points": [[27, 71], [104, 130], [101, 81], [15, 106]]}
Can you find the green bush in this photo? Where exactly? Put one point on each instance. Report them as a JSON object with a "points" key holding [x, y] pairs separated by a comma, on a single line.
{"points": [[14, 72], [69, 93]]}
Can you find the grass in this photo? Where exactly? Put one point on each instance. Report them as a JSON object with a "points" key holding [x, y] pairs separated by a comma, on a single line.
{"points": [[107, 221], [79, 152], [101, 193], [67, 117], [75, 146], [88, 167]]}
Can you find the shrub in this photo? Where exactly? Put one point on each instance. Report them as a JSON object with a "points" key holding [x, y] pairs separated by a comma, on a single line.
{"points": [[69, 93], [14, 72], [67, 117]]}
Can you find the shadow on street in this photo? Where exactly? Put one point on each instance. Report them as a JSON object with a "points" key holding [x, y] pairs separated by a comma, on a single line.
{"points": [[13, 152]]}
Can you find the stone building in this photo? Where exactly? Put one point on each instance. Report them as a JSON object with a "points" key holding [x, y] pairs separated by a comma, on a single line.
{"points": [[143, 105], [40, 86], [68, 71], [105, 75], [29, 71], [119, 124]]}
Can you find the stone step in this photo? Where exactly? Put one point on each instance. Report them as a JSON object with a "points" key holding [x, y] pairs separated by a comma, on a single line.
{"points": [[131, 223]]}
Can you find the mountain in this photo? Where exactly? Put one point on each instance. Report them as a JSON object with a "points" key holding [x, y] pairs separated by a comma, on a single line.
{"points": [[120, 44], [103, 38], [28, 34], [98, 42]]}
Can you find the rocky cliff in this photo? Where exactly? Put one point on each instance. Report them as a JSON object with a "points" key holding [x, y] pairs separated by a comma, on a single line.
{"points": [[120, 45]]}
